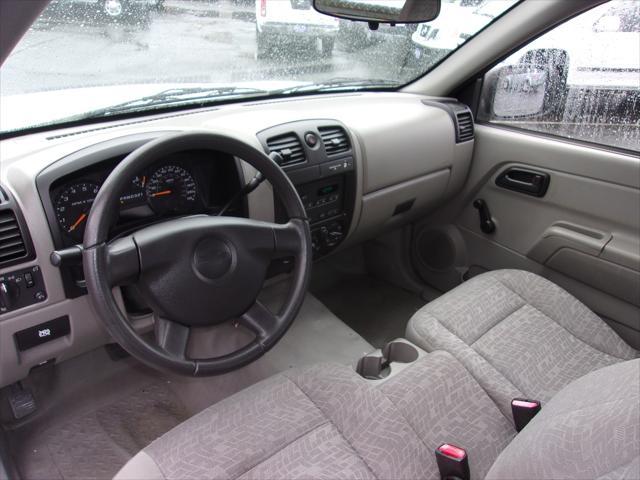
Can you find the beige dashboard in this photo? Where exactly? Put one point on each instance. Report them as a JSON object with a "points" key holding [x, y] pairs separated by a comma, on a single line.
{"points": [[408, 153]]}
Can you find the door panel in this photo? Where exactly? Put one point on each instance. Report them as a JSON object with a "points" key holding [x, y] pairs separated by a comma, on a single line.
{"points": [[536, 200], [584, 233]]}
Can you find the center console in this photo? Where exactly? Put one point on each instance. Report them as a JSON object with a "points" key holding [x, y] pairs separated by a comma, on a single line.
{"points": [[317, 155]]}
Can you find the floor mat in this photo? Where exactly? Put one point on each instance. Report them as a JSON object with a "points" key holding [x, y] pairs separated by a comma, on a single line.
{"points": [[95, 445], [374, 308]]}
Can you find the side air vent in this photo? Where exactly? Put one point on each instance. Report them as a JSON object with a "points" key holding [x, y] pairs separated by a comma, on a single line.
{"points": [[289, 147], [12, 245], [335, 140], [465, 126]]}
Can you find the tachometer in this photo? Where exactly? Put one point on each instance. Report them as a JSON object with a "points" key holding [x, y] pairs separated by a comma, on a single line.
{"points": [[171, 189], [72, 207]]}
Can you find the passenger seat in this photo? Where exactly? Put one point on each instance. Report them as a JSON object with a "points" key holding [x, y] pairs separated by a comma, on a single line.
{"points": [[518, 334]]}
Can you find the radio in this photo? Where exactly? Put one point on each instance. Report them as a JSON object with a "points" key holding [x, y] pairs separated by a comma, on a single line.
{"points": [[324, 202]]}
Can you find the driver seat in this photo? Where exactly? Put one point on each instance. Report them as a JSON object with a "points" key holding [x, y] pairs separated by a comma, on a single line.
{"points": [[327, 422]]}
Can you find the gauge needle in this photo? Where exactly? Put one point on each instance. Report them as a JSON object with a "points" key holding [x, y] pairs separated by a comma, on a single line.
{"points": [[161, 194], [78, 221]]}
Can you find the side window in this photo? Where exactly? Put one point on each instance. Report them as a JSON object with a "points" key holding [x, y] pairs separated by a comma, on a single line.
{"points": [[581, 80]]}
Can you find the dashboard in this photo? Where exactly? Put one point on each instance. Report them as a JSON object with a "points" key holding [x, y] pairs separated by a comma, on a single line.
{"points": [[362, 164]]}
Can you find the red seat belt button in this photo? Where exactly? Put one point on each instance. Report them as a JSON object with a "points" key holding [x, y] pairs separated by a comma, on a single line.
{"points": [[523, 411], [452, 462]]}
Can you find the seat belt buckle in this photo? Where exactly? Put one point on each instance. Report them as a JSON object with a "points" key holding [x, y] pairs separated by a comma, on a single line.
{"points": [[523, 411], [453, 462]]}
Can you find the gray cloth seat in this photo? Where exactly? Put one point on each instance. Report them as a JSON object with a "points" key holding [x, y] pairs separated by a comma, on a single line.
{"points": [[508, 334], [590, 429], [327, 422], [518, 334]]}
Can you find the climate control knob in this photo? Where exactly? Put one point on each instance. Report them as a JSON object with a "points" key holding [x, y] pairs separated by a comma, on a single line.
{"points": [[330, 238], [315, 243]]}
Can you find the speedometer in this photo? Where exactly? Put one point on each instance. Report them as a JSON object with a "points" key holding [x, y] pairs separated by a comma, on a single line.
{"points": [[72, 207], [171, 189]]}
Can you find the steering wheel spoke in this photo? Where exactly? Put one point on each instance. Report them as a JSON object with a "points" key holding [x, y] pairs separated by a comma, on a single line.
{"points": [[171, 336], [288, 237], [260, 320], [123, 261]]}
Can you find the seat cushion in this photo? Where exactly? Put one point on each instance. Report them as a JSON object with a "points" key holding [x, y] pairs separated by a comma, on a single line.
{"points": [[590, 429], [443, 403], [518, 334], [327, 422]]}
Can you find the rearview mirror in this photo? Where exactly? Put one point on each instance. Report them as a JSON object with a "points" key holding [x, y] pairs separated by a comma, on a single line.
{"points": [[380, 11]]}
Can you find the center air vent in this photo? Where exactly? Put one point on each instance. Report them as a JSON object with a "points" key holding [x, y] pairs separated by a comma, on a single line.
{"points": [[289, 147], [12, 245], [335, 140], [465, 126]]}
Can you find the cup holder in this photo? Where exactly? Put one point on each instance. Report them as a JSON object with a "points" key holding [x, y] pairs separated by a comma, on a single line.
{"points": [[377, 367], [400, 352], [373, 367]]}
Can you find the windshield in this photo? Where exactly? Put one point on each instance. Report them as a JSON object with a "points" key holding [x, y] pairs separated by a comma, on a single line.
{"points": [[87, 59]]}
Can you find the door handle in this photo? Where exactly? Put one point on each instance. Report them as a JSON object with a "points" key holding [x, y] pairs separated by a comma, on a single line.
{"points": [[523, 180]]}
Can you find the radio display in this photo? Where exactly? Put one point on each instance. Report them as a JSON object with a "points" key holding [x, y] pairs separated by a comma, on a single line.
{"points": [[327, 189]]}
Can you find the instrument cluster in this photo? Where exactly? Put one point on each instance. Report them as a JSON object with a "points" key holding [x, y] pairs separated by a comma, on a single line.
{"points": [[176, 186]]}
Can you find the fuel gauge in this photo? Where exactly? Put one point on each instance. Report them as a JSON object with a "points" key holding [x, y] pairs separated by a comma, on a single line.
{"points": [[135, 194], [139, 181]]}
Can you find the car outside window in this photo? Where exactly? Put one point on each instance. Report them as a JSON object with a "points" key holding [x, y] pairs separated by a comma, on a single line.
{"points": [[85, 59], [580, 81]]}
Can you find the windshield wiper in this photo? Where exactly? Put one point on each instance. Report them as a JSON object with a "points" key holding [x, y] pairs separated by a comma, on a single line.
{"points": [[201, 96], [169, 98], [342, 83], [175, 96]]}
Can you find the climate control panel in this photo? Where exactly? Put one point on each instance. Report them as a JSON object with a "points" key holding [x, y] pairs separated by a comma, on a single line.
{"points": [[21, 288], [327, 236]]}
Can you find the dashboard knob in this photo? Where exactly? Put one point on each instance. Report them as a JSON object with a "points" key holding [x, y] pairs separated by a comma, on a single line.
{"points": [[8, 294], [315, 243], [330, 238], [334, 237]]}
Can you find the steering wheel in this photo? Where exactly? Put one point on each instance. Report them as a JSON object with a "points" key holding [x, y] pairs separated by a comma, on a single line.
{"points": [[195, 271]]}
